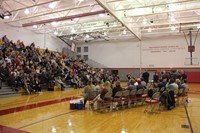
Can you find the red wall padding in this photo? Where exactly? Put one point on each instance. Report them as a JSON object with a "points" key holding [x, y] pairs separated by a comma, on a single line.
{"points": [[193, 77]]}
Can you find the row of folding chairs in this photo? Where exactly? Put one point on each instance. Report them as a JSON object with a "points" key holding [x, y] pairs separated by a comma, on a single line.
{"points": [[123, 98], [180, 95]]}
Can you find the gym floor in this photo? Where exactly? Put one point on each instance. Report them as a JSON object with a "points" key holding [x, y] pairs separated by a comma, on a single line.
{"points": [[50, 113]]}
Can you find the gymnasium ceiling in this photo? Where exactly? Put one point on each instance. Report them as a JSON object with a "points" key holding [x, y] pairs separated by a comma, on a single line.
{"points": [[86, 20]]}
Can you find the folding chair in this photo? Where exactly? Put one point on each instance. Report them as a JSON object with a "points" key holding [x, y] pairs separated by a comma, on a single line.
{"points": [[183, 96], [155, 90], [162, 89], [117, 100], [125, 97], [152, 102], [132, 97], [106, 101], [139, 95], [92, 95], [144, 95], [178, 96]]}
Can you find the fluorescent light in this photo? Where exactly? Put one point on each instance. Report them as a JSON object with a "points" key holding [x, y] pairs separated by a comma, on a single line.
{"points": [[6, 17], [53, 23], [144, 21], [73, 31], [80, 0], [35, 26], [87, 36], [124, 32], [55, 33], [71, 38], [172, 19], [198, 27], [115, 24], [52, 5], [101, 15], [27, 11], [149, 30], [105, 34], [173, 28], [171, 6], [76, 19]]}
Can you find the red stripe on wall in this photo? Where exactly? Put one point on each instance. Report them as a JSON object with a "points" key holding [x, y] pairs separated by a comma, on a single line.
{"points": [[193, 77], [193, 73]]}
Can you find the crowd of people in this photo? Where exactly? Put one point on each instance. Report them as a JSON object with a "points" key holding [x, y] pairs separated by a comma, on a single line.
{"points": [[25, 66], [28, 67], [170, 81]]}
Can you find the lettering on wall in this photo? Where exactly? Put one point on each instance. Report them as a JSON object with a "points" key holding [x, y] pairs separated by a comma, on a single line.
{"points": [[164, 49]]}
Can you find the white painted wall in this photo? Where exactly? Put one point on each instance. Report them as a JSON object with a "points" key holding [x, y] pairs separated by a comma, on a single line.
{"points": [[14, 33], [114, 54], [157, 52]]}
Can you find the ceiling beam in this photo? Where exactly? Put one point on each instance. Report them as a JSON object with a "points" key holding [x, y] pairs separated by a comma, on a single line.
{"points": [[63, 18], [48, 13], [26, 7], [154, 5], [134, 31]]}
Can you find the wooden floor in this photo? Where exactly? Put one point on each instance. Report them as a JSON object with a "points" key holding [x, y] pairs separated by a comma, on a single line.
{"points": [[58, 118]]}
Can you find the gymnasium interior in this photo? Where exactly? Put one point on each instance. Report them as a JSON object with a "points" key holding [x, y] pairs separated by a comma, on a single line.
{"points": [[99, 66]]}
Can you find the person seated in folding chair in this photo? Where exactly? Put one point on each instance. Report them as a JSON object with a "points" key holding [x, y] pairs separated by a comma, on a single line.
{"points": [[132, 85], [88, 92], [171, 87], [107, 88], [184, 85], [116, 89]]}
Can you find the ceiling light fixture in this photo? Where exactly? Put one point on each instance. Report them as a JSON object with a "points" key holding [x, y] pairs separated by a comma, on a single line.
{"points": [[76, 19], [173, 28], [198, 27], [101, 15], [6, 17], [52, 5], [144, 21], [55, 33], [172, 19], [149, 30], [73, 31], [87, 36], [35, 26], [4, 14], [71, 38], [27, 11], [171, 6], [80, 0], [53, 23], [124, 32], [114, 24]]}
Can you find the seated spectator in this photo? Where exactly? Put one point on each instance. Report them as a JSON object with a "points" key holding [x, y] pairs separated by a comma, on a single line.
{"points": [[143, 83], [107, 88], [89, 92], [117, 88], [99, 86], [60, 83], [184, 85], [139, 86], [132, 85], [172, 86]]}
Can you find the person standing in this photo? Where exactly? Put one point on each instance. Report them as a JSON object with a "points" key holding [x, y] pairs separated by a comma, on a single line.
{"points": [[145, 76]]}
